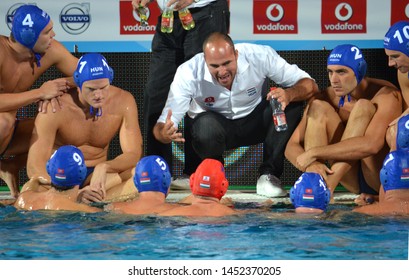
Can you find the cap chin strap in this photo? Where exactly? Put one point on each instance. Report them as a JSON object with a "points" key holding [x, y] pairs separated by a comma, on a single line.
{"points": [[342, 100], [38, 57], [95, 112]]}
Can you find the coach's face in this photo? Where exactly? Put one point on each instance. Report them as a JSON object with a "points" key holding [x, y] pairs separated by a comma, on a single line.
{"points": [[221, 60]]}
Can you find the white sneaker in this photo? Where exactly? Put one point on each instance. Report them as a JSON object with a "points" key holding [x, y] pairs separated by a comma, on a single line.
{"points": [[180, 183], [270, 186]]}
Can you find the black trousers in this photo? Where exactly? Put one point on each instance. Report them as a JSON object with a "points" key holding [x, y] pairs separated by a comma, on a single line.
{"points": [[211, 134], [169, 50]]}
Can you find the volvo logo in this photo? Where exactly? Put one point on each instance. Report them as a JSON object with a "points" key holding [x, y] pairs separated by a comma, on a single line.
{"points": [[10, 13], [279, 9], [75, 18], [339, 8]]}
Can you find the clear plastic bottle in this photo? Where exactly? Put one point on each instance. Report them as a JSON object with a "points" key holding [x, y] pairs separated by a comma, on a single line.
{"points": [[280, 121], [143, 15], [167, 21], [186, 19]]}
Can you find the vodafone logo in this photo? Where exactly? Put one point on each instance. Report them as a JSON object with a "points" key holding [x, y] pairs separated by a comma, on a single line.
{"points": [[130, 21], [399, 10], [343, 16], [343, 12], [275, 17], [271, 10]]}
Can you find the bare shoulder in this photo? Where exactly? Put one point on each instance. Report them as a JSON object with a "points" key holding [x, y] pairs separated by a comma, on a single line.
{"points": [[120, 92], [122, 98], [383, 89], [329, 96], [3, 48], [57, 54]]}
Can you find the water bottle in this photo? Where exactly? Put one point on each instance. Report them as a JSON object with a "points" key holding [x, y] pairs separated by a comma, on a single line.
{"points": [[167, 21], [186, 19], [143, 15], [280, 122]]}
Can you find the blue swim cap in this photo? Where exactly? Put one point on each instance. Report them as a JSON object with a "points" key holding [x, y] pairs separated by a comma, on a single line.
{"points": [[310, 191], [92, 66], [394, 173], [28, 22], [397, 38], [66, 167], [402, 135], [152, 174], [350, 56]]}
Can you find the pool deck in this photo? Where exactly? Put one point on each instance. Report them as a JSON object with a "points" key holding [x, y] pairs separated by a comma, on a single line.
{"points": [[235, 195]]}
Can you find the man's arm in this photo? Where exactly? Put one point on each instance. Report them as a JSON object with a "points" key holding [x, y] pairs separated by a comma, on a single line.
{"points": [[130, 138], [167, 132], [356, 148], [404, 87], [42, 143], [48, 90], [304, 89], [65, 62]]}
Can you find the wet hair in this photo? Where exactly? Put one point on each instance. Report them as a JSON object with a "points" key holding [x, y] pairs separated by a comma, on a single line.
{"points": [[218, 36]]}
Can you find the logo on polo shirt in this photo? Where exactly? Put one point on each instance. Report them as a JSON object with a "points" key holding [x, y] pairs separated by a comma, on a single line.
{"points": [[399, 10], [340, 16], [275, 17], [209, 101]]}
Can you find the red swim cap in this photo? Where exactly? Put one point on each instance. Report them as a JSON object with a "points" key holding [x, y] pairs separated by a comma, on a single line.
{"points": [[209, 179]]}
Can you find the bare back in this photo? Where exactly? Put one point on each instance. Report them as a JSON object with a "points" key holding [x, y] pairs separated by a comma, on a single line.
{"points": [[140, 207], [51, 200], [203, 208]]}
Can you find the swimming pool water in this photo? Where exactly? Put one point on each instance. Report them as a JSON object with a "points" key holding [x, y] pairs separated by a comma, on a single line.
{"points": [[273, 235]]}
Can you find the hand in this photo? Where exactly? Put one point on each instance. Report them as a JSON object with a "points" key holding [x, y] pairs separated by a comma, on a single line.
{"points": [[99, 178], [280, 95], [320, 168], [137, 3], [55, 103], [53, 88], [304, 160], [169, 133], [179, 4], [89, 194]]}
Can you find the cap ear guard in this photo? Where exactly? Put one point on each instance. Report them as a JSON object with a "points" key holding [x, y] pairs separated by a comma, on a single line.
{"points": [[402, 135], [394, 173], [362, 67]]}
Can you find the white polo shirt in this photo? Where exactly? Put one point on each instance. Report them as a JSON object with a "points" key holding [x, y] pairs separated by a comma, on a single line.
{"points": [[194, 90]]}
